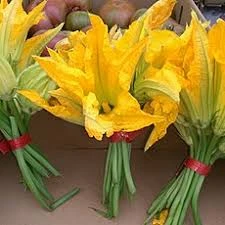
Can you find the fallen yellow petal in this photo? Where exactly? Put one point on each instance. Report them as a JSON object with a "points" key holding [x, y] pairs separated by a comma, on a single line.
{"points": [[162, 218]]}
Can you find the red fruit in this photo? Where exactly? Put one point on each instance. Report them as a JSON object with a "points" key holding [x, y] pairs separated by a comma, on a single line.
{"points": [[117, 12], [78, 4], [44, 24], [56, 11]]}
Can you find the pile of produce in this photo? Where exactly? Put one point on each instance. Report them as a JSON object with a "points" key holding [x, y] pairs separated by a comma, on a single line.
{"points": [[72, 13]]}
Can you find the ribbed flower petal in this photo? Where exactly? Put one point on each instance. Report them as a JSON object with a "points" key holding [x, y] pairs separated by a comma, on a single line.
{"points": [[166, 108], [61, 105], [127, 115]]}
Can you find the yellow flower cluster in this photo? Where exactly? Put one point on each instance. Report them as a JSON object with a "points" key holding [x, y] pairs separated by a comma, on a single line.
{"points": [[202, 98], [116, 84], [18, 68]]}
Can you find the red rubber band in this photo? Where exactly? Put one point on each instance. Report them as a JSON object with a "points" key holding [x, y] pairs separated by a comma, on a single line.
{"points": [[197, 166], [19, 142], [125, 136], [4, 147]]}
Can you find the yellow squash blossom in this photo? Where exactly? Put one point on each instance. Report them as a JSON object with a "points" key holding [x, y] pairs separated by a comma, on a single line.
{"points": [[95, 91], [18, 70], [216, 38], [158, 72], [95, 72], [159, 79], [197, 96], [201, 119]]}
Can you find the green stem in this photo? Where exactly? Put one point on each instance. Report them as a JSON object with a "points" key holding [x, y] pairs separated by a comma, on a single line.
{"points": [[60, 201], [194, 201], [26, 173], [115, 200], [186, 202], [42, 160], [35, 164], [175, 205], [41, 188], [176, 190], [126, 167], [115, 177], [107, 176]]}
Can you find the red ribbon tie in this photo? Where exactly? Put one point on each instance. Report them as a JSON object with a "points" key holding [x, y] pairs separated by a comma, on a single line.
{"points": [[4, 147], [19, 142], [125, 136], [197, 166]]}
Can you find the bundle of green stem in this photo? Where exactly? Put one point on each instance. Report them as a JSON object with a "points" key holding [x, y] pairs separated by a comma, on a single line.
{"points": [[32, 164], [183, 191], [18, 71], [200, 122], [118, 178]]}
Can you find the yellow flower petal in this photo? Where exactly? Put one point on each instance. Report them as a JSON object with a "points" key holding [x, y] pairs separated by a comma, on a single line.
{"points": [[216, 37], [96, 61], [95, 125], [127, 115], [131, 35], [22, 24], [160, 72], [128, 64], [162, 81], [3, 4], [65, 99], [166, 108], [163, 45], [159, 13], [155, 16], [77, 37], [112, 68], [198, 71], [162, 218], [34, 46], [61, 106], [70, 79]]}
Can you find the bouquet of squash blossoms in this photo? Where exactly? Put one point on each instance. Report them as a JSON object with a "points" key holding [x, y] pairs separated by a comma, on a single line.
{"points": [[115, 84], [200, 123], [19, 71]]}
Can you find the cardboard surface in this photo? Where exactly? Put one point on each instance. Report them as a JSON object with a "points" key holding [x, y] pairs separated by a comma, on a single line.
{"points": [[84, 168], [69, 136]]}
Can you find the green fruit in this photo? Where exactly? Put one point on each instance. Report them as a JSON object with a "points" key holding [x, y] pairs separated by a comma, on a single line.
{"points": [[77, 20]]}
